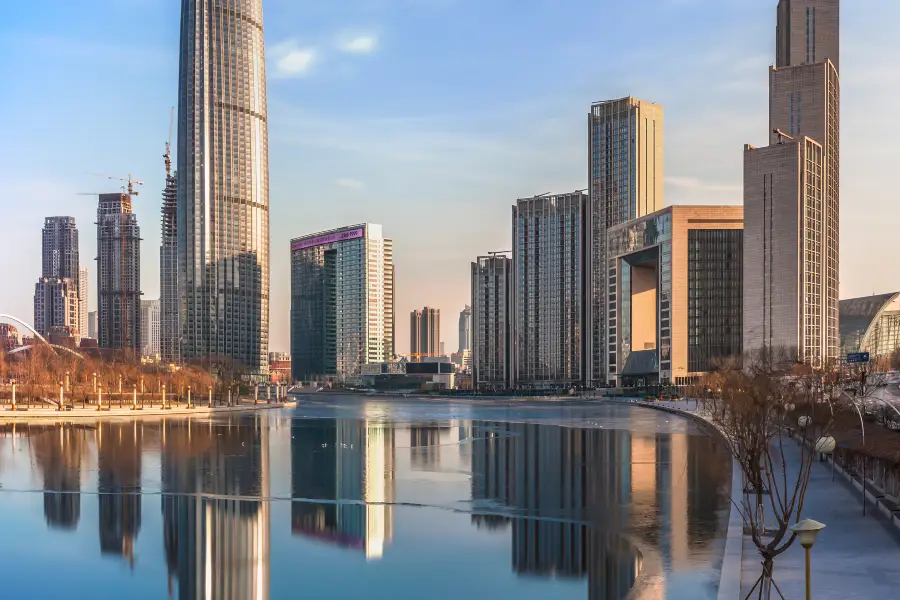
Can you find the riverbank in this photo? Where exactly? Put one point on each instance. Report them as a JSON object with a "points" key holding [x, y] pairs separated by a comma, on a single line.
{"points": [[126, 412], [854, 556]]}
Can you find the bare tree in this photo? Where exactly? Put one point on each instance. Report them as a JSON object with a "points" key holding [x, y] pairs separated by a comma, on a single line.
{"points": [[758, 408]]}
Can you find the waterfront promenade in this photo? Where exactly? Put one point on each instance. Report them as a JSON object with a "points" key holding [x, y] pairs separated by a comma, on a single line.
{"points": [[854, 558]]}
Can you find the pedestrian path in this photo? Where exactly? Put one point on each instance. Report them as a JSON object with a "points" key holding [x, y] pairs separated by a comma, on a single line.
{"points": [[855, 557]]}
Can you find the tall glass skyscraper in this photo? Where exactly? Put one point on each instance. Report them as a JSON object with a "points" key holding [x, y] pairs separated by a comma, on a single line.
{"points": [[223, 182]]}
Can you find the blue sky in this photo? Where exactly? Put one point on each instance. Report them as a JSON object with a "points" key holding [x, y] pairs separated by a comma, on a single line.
{"points": [[428, 116]]}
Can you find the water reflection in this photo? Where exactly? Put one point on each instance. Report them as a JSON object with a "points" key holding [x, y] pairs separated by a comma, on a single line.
{"points": [[594, 507]]}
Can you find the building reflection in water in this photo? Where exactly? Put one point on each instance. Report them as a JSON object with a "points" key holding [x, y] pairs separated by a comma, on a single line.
{"points": [[59, 453], [425, 445], [348, 465], [657, 486], [119, 486], [216, 528]]}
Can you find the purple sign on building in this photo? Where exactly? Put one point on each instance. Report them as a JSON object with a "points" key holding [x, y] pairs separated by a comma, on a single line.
{"points": [[339, 236]]}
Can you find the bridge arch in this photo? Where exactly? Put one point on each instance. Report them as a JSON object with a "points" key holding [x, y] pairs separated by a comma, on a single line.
{"points": [[38, 336]]}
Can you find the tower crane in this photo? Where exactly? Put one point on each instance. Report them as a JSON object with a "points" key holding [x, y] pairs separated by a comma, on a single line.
{"points": [[168, 155], [129, 181]]}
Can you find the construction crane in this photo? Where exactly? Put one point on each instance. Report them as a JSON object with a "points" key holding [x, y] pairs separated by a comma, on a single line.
{"points": [[129, 181], [168, 155]]}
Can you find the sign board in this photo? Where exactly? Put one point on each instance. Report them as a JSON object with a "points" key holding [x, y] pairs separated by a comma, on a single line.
{"points": [[328, 238], [858, 358]]}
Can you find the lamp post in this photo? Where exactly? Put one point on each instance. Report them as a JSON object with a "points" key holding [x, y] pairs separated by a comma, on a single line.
{"points": [[95, 383], [807, 530]]}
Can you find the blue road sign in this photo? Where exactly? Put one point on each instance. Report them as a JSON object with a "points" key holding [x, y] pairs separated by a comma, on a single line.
{"points": [[858, 358]]}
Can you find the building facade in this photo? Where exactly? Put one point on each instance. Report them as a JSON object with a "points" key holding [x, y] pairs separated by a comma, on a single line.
{"points": [[465, 329], [341, 301], [491, 285], [59, 248], [118, 274], [92, 324], [56, 306], [425, 333], [84, 295], [548, 290], [675, 294], [150, 328], [170, 332], [794, 264], [871, 324], [625, 171], [223, 183]]}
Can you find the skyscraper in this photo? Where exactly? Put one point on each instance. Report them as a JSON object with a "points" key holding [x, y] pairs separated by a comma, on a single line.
{"points": [[150, 328], [56, 294], [223, 183], [465, 329], [92, 325], [341, 301], [118, 274], [792, 193], [491, 322], [59, 256], [83, 299], [424, 333], [170, 333], [625, 170], [548, 290]]}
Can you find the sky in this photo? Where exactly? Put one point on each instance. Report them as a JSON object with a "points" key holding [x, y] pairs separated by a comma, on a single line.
{"points": [[428, 116]]}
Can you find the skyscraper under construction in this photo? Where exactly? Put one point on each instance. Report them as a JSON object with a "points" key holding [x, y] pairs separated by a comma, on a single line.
{"points": [[170, 333], [118, 274]]}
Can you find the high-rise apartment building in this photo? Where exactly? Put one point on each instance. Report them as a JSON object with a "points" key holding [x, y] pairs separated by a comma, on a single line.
{"points": [[118, 274], [150, 328], [170, 333], [465, 329], [625, 171], [83, 299], [92, 325], [59, 256], [491, 323], [56, 306], [549, 251], [223, 183], [342, 301], [424, 333], [59, 282], [792, 262]]}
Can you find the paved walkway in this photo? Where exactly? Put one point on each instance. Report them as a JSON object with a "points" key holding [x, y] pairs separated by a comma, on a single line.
{"points": [[855, 557]]}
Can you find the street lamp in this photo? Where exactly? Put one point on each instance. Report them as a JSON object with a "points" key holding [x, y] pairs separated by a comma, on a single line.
{"points": [[806, 530]]}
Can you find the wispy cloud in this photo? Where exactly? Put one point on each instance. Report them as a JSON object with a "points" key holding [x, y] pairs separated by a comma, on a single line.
{"points": [[291, 60], [358, 44], [352, 184]]}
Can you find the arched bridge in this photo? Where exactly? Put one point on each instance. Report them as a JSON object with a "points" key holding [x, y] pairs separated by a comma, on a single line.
{"points": [[37, 335]]}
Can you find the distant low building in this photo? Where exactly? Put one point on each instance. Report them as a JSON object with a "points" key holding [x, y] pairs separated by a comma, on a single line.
{"points": [[870, 324], [9, 337], [280, 370]]}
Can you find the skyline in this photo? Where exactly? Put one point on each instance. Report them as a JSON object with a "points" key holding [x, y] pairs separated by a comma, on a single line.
{"points": [[331, 165]]}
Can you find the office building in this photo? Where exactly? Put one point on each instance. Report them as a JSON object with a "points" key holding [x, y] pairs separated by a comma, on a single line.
{"points": [[223, 183], [170, 333], [548, 290], [424, 333], [871, 324], [491, 286], [625, 174], [465, 329], [118, 274], [150, 328], [792, 262], [83, 300], [675, 295], [56, 306], [92, 324], [341, 302]]}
